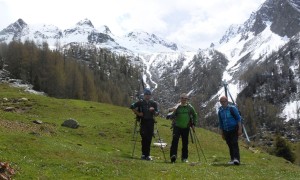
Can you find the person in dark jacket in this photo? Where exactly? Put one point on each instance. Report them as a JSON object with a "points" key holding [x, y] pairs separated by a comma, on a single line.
{"points": [[184, 116], [146, 110], [231, 128]]}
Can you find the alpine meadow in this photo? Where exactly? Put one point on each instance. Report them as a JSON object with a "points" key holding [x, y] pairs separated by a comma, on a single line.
{"points": [[69, 99], [101, 147]]}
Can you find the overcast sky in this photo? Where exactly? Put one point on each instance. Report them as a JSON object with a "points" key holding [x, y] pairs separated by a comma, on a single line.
{"points": [[195, 23]]}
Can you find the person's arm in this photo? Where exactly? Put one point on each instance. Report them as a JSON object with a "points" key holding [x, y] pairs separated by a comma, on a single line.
{"points": [[240, 129], [221, 126], [137, 112], [222, 134], [134, 108], [195, 115], [239, 119], [156, 111]]}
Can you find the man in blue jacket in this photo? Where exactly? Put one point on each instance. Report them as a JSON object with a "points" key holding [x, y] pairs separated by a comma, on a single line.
{"points": [[231, 128]]}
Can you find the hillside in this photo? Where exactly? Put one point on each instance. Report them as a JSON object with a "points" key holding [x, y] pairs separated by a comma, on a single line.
{"points": [[258, 58], [102, 145]]}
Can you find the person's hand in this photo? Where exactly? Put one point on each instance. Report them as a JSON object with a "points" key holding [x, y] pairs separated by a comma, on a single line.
{"points": [[240, 132], [151, 109], [140, 114], [171, 109], [192, 124]]}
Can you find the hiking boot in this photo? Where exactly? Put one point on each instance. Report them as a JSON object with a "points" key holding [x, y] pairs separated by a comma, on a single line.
{"points": [[173, 158], [143, 157], [185, 160], [230, 162], [148, 158], [236, 162]]}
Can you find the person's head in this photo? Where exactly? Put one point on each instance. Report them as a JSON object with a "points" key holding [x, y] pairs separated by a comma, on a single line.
{"points": [[184, 98], [147, 93], [224, 101]]}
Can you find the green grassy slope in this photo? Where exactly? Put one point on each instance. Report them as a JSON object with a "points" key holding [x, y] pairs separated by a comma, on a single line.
{"points": [[101, 147]]}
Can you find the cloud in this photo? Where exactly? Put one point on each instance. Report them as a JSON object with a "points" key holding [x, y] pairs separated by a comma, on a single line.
{"points": [[192, 22]]}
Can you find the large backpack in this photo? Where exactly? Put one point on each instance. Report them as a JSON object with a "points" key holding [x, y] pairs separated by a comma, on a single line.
{"points": [[232, 111], [234, 116]]}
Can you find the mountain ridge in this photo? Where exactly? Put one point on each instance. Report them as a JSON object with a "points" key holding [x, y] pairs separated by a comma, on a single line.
{"points": [[83, 31]]}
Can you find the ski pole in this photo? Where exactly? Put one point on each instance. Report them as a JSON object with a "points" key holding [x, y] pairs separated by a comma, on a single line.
{"points": [[244, 129]]}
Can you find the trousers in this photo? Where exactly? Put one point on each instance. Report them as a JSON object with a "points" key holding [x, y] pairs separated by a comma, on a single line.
{"points": [[231, 138], [184, 134], [146, 132]]}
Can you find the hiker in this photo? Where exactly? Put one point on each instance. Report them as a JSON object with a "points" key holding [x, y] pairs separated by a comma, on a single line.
{"points": [[146, 109], [231, 128], [184, 117]]}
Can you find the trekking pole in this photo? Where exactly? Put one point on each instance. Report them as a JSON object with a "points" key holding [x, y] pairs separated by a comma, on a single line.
{"points": [[197, 141], [192, 137], [134, 129], [135, 135], [160, 141]]}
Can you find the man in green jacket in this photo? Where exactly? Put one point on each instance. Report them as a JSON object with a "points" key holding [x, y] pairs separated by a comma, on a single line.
{"points": [[184, 116]]}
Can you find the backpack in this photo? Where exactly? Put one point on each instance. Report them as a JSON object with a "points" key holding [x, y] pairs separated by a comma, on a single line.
{"points": [[232, 112], [233, 115]]}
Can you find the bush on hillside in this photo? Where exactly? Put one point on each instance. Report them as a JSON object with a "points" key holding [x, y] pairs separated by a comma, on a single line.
{"points": [[283, 149]]}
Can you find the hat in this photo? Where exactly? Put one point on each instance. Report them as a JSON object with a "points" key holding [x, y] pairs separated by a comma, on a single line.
{"points": [[147, 91]]}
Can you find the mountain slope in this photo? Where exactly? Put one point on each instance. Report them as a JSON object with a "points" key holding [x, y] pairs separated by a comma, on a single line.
{"points": [[265, 32], [101, 147], [239, 58]]}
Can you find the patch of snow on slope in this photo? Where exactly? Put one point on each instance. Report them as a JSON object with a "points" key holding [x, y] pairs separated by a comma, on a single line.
{"points": [[290, 110]]}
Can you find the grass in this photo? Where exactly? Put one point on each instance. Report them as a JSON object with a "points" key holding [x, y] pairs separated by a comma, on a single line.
{"points": [[101, 147]]}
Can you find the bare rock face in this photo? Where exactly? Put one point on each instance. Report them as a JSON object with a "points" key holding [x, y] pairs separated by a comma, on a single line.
{"points": [[284, 16]]}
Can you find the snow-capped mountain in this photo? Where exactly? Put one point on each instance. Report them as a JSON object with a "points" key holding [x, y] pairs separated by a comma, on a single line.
{"points": [[266, 31], [152, 50], [85, 32], [263, 67], [22, 31], [171, 68]]}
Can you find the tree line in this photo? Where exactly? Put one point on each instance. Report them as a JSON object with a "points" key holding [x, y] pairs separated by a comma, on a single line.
{"points": [[268, 86], [78, 72]]}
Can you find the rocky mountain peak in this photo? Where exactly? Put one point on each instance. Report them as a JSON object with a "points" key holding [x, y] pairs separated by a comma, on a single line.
{"points": [[85, 22], [20, 23], [284, 16], [15, 27], [106, 30], [151, 39]]}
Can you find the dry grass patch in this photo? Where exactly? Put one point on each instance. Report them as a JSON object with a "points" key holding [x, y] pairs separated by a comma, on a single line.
{"points": [[33, 128]]}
